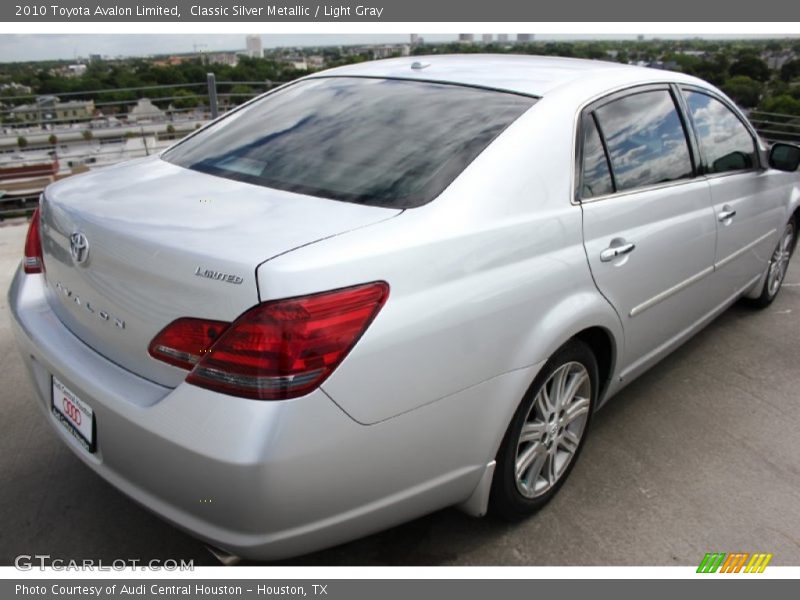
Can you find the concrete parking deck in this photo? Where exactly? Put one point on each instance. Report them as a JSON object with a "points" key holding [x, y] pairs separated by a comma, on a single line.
{"points": [[701, 454]]}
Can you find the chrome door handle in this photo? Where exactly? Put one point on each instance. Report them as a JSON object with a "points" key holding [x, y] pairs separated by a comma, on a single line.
{"points": [[726, 214], [613, 252]]}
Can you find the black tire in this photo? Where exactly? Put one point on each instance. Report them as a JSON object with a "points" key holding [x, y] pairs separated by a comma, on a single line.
{"points": [[767, 294], [506, 499]]}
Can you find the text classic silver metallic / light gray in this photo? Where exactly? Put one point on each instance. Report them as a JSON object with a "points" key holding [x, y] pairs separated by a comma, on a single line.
{"points": [[390, 288]]}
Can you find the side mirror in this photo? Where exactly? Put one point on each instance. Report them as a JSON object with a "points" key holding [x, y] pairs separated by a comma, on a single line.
{"points": [[784, 157]]}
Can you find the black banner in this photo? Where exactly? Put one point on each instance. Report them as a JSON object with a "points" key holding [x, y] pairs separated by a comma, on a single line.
{"points": [[264, 11], [383, 589]]}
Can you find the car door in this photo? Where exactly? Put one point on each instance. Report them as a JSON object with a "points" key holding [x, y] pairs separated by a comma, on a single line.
{"points": [[747, 206], [649, 227]]}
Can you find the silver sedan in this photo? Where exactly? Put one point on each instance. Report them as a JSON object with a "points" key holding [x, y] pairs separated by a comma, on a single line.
{"points": [[390, 288]]}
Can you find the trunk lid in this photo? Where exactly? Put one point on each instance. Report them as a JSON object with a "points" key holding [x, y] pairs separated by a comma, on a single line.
{"points": [[163, 242]]}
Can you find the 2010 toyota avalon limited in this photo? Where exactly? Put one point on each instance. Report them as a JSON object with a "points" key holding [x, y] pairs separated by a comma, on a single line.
{"points": [[390, 288]]}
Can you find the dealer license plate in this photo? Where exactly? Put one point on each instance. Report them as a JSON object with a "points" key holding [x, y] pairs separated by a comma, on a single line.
{"points": [[74, 414]]}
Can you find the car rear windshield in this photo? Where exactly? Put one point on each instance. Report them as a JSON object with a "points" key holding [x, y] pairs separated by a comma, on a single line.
{"points": [[381, 142]]}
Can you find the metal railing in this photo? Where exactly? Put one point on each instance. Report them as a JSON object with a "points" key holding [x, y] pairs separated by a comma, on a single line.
{"points": [[82, 139], [206, 91], [18, 206], [776, 127]]}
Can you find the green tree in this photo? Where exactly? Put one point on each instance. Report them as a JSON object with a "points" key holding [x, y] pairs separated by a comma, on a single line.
{"points": [[185, 99], [744, 90], [53, 139], [22, 141], [751, 66], [87, 134], [241, 93], [790, 70], [781, 104], [714, 70]]}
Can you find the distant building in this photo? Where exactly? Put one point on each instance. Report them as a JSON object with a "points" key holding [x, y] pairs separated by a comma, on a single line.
{"points": [[176, 59], [775, 60], [223, 58], [254, 49], [15, 89], [27, 166], [51, 109], [95, 58], [525, 37], [502, 38], [697, 53], [416, 40], [386, 51], [75, 70], [640, 38], [315, 61], [104, 122], [466, 38], [145, 110], [487, 38], [298, 63]]}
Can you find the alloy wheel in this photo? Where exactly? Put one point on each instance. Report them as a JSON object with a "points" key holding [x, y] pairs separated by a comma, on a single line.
{"points": [[780, 261], [553, 429]]}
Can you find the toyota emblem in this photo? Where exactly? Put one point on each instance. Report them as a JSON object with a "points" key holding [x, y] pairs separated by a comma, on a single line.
{"points": [[79, 247]]}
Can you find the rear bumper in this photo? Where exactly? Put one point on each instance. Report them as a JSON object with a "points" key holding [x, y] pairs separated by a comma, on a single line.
{"points": [[264, 480]]}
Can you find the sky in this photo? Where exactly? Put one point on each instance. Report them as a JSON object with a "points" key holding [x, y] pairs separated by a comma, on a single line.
{"points": [[71, 46]]}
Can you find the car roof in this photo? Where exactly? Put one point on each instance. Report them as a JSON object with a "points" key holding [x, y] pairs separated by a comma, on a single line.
{"points": [[524, 74]]}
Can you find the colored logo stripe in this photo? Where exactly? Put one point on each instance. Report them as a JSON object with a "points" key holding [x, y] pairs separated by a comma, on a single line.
{"points": [[711, 562], [734, 562], [758, 563]]}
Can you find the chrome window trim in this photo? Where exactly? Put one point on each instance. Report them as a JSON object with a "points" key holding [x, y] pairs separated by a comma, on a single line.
{"points": [[659, 186], [709, 176], [647, 188], [576, 148]]}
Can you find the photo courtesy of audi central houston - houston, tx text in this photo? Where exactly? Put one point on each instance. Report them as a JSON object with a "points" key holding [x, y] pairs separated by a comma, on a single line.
{"points": [[427, 299]]}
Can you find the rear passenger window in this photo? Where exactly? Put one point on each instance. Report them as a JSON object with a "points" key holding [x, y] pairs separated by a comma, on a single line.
{"points": [[646, 140], [596, 179], [725, 142]]}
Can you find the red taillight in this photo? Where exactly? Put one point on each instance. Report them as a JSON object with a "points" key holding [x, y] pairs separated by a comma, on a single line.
{"points": [[280, 349], [185, 341], [33, 262]]}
